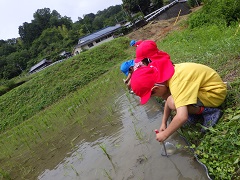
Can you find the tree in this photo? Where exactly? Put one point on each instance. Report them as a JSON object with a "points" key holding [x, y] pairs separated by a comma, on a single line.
{"points": [[42, 45], [28, 33], [134, 6], [87, 22], [6, 48], [57, 20], [14, 64], [157, 4], [194, 3], [97, 23], [42, 18]]}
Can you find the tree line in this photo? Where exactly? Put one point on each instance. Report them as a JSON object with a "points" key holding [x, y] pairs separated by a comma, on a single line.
{"points": [[48, 34]]}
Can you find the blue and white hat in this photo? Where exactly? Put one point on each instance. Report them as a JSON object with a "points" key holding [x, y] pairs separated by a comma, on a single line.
{"points": [[126, 65], [132, 42]]}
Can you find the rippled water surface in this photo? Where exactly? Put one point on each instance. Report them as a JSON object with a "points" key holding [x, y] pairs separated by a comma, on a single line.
{"points": [[133, 151]]}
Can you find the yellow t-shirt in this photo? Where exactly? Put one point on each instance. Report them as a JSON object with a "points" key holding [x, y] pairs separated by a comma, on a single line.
{"points": [[191, 81]]}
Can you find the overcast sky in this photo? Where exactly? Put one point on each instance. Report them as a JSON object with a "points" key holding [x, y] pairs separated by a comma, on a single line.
{"points": [[14, 13]]}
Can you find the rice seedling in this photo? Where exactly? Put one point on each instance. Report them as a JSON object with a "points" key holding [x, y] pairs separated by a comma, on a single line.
{"points": [[139, 134], [103, 147], [107, 174], [110, 109], [24, 170], [109, 119], [79, 156], [74, 140], [66, 172], [73, 168]]}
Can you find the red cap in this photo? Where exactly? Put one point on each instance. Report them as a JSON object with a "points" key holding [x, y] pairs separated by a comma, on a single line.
{"points": [[138, 43], [148, 49], [144, 78]]}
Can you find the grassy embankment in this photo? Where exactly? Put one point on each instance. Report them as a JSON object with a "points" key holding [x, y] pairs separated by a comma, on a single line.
{"points": [[55, 94], [60, 98]]}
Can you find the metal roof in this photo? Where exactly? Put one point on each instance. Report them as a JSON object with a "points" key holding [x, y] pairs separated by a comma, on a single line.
{"points": [[39, 64], [98, 34]]}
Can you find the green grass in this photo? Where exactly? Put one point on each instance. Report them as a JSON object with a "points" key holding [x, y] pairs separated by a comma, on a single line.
{"points": [[55, 82]]}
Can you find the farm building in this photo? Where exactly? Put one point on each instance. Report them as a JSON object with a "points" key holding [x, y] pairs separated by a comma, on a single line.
{"points": [[39, 66], [96, 38]]}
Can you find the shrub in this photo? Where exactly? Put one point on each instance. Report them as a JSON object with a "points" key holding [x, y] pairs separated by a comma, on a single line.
{"points": [[216, 12], [193, 3]]}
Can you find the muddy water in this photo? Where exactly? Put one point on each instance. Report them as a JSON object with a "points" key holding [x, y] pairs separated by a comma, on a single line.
{"points": [[133, 151]]}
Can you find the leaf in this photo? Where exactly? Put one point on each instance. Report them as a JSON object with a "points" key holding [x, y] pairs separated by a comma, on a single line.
{"points": [[193, 146], [236, 117], [236, 161], [237, 143]]}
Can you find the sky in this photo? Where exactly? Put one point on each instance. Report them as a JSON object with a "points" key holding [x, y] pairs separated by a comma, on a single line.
{"points": [[14, 13]]}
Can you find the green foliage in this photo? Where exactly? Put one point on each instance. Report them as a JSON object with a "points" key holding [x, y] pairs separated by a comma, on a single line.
{"points": [[4, 175], [42, 91], [219, 149], [6, 48], [134, 6], [216, 12], [12, 62], [47, 36], [157, 4], [194, 3], [47, 45], [43, 19], [10, 84], [107, 17], [3, 90]]}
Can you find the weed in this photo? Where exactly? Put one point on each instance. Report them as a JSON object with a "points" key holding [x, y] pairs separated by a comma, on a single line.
{"points": [[4, 175]]}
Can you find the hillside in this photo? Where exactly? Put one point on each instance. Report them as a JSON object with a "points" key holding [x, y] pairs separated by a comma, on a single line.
{"points": [[158, 29]]}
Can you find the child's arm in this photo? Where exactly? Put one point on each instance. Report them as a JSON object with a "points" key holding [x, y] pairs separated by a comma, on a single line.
{"points": [[128, 78], [166, 114]]}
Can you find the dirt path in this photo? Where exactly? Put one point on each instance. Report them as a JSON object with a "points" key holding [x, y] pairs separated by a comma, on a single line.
{"points": [[158, 29]]}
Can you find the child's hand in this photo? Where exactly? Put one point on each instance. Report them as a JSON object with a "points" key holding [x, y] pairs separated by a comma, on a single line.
{"points": [[162, 127], [160, 137]]}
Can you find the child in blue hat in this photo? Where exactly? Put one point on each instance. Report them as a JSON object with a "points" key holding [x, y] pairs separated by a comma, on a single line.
{"points": [[127, 69], [135, 43]]}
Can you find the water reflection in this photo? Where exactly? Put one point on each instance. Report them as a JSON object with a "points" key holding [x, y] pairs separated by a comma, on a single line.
{"points": [[134, 152]]}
